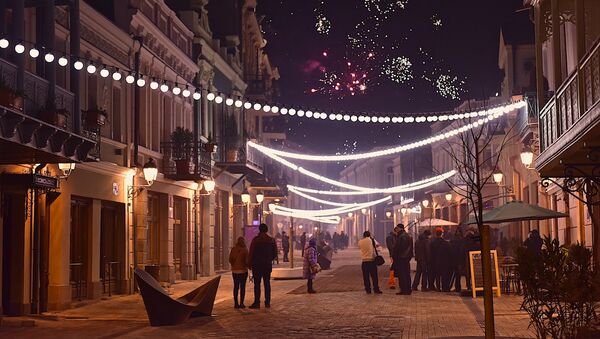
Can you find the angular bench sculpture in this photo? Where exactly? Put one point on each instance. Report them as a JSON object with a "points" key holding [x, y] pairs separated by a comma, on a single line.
{"points": [[164, 310]]}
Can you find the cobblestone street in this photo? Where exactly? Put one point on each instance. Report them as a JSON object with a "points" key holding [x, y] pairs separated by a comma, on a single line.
{"points": [[340, 310]]}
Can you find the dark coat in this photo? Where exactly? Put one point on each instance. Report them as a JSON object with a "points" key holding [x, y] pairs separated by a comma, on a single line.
{"points": [[285, 242], [390, 242], [403, 248], [459, 251], [263, 251], [422, 249], [441, 255]]}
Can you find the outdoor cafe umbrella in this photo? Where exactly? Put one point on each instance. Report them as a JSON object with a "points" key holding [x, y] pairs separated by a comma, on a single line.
{"points": [[433, 222], [517, 211]]}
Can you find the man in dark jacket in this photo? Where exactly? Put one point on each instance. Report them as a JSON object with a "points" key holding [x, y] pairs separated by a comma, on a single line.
{"points": [[303, 242], [422, 256], [441, 262], [285, 245], [534, 244], [457, 245], [403, 252], [390, 242], [263, 251]]}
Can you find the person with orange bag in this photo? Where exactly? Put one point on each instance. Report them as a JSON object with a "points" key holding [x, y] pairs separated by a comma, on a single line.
{"points": [[390, 242]]}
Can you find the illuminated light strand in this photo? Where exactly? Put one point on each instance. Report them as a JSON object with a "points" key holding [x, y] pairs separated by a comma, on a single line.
{"points": [[188, 90], [496, 113], [315, 199], [365, 190], [332, 220], [331, 211]]}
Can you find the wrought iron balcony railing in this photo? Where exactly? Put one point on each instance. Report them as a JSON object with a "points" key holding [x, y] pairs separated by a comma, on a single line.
{"points": [[186, 162], [235, 155], [563, 110]]}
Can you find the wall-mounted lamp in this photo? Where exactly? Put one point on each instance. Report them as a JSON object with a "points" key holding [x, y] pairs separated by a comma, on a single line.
{"points": [[388, 214], [527, 159], [150, 173], [448, 197], [425, 203], [66, 168], [245, 197], [260, 197], [350, 214], [498, 177]]}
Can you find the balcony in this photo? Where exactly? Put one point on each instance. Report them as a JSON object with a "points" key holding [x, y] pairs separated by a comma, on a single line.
{"points": [[527, 119], [569, 123], [273, 182], [236, 157], [186, 162], [260, 88], [29, 134]]}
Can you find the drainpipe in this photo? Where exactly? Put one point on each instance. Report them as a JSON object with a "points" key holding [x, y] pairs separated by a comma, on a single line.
{"points": [[136, 138], [18, 17], [75, 47]]}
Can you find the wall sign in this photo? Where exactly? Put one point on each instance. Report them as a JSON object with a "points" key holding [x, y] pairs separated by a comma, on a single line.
{"points": [[115, 188]]}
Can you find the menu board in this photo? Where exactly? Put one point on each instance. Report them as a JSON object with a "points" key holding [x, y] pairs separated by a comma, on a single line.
{"points": [[476, 264]]}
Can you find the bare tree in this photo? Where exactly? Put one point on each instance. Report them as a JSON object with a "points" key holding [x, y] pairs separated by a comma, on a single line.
{"points": [[475, 153]]}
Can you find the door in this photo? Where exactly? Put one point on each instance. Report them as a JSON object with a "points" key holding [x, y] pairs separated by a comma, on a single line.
{"points": [[80, 225], [112, 245], [13, 240], [153, 234], [179, 234]]}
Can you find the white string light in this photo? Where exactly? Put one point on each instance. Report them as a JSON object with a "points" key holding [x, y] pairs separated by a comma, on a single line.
{"points": [[292, 189], [494, 114], [326, 220], [331, 211], [394, 119]]}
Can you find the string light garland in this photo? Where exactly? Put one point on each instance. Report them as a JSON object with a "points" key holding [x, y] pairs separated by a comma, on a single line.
{"points": [[332, 211], [326, 220], [486, 116], [194, 92], [292, 189]]}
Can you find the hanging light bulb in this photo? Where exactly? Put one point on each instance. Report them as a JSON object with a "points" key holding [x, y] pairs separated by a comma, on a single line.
{"points": [[78, 65], [266, 108], [291, 111], [153, 84], [49, 57], [164, 87], [275, 109], [238, 103], [300, 113], [186, 93], [117, 76], [130, 79], [218, 99], [62, 61], [19, 48], [210, 96], [4, 43], [176, 90], [309, 114], [34, 53], [104, 73], [141, 82], [283, 111], [91, 69], [196, 95], [247, 105], [257, 106], [229, 102]]}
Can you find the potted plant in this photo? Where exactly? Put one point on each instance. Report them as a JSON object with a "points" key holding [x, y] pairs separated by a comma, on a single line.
{"points": [[95, 117], [232, 142], [182, 139], [211, 145], [53, 115], [10, 97]]}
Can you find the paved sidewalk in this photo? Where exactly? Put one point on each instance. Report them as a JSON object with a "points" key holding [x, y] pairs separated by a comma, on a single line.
{"points": [[346, 314]]}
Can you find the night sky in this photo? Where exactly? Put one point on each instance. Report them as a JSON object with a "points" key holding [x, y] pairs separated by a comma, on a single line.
{"points": [[451, 40]]}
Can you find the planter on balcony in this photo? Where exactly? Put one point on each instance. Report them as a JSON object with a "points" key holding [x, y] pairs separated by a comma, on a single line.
{"points": [[211, 147], [183, 142], [95, 118], [57, 117], [232, 156], [10, 98]]}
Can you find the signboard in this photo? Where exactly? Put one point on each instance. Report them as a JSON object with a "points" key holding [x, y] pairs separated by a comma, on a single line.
{"points": [[476, 266]]}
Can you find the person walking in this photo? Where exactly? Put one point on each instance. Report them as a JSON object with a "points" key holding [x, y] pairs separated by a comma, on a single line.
{"points": [[285, 245], [422, 256], [390, 242], [263, 251], [369, 268], [238, 258], [303, 242], [310, 265], [403, 252]]}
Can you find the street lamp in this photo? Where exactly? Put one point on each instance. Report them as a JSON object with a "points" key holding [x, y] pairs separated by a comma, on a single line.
{"points": [[498, 177], [527, 158], [66, 168], [388, 214], [403, 210], [150, 172], [209, 185], [260, 197], [350, 214], [425, 203], [364, 211], [245, 197], [448, 197]]}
